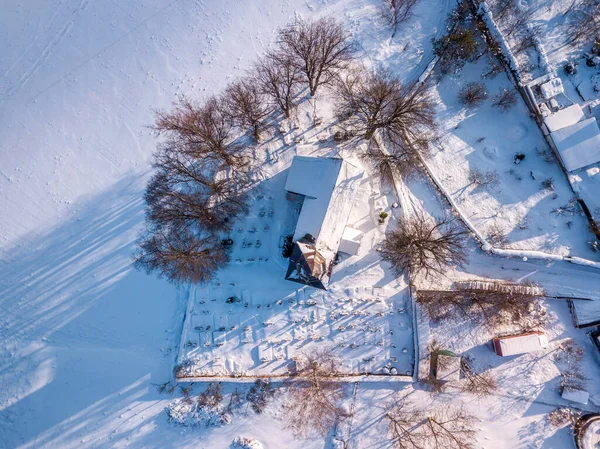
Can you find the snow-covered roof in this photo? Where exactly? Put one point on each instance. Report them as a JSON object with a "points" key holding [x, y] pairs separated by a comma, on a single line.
{"points": [[552, 88], [578, 144], [313, 176], [586, 312], [329, 186], [563, 118], [520, 344], [575, 395]]}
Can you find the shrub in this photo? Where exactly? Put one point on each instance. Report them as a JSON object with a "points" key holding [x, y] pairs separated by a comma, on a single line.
{"points": [[473, 94], [505, 99]]}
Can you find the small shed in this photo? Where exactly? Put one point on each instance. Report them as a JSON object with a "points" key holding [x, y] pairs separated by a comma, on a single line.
{"points": [[520, 344], [351, 239], [575, 395]]}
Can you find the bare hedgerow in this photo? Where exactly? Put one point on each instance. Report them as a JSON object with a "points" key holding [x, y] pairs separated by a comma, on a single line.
{"points": [[318, 49], [473, 94], [396, 12], [279, 79], [447, 427], [564, 416], [379, 102], [505, 99], [496, 303], [314, 395], [420, 244]]}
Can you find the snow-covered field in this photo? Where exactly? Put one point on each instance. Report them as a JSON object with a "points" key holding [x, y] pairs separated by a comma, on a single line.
{"points": [[85, 339]]}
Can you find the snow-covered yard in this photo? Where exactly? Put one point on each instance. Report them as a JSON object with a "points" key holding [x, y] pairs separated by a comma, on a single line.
{"points": [[522, 205]]}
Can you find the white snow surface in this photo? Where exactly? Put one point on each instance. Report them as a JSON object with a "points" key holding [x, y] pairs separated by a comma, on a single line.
{"points": [[84, 337], [578, 144]]}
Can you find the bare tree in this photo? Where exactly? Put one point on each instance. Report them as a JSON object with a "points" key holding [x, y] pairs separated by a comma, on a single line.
{"points": [[371, 102], [314, 395], [446, 427], [279, 78], [246, 106], [421, 244], [184, 191], [394, 162], [318, 49], [505, 99], [180, 255], [403, 425], [450, 428], [585, 20], [479, 384], [396, 12], [204, 132], [472, 94], [197, 190]]}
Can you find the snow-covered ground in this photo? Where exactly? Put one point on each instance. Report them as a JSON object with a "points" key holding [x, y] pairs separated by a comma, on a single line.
{"points": [[516, 211], [84, 338]]}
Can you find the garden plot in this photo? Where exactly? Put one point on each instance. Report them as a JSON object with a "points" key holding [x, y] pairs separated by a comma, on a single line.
{"points": [[570, 356], [516, 204]]}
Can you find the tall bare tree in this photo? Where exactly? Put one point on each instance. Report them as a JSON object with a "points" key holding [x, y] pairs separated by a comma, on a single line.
{"points": [[396, 12], [314, 395], [204, 132], [196, 192], [419, 244], [246, 106], [180, 254], [279, 78], [371, 102], [318, 49]]}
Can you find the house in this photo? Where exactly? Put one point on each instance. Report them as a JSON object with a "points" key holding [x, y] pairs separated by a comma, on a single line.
{"points": [[520, 344], [327, 187], [578, 144]]}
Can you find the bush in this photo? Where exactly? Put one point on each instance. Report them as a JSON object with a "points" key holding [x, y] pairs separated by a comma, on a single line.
{"points": [[473, 94], [505, 100]]}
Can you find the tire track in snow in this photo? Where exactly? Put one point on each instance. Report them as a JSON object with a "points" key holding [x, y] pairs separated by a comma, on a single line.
{"points": [[46, 52]]}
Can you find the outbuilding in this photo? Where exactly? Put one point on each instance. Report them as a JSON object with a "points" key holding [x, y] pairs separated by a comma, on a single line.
{"points": [[520, 344]]}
